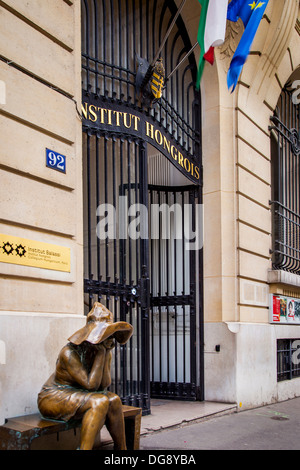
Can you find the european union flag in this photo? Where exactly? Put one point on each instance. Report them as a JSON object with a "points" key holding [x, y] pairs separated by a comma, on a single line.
{"points": [[251, 14]]}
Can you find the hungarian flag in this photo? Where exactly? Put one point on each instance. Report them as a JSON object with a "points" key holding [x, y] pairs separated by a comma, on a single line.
{"points": [[211, 31]]}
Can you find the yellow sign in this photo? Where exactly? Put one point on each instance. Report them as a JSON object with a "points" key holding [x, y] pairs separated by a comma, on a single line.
{"points": [[24, 252]]}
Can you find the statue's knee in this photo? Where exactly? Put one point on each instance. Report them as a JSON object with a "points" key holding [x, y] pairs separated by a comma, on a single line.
{"points": [[115, 402], [100, 403]]}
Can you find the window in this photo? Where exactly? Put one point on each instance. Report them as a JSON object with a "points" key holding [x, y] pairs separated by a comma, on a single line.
{"points": [[285, 154], [288, 359]]}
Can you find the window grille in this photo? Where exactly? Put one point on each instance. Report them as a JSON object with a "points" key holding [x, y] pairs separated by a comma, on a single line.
{"points": [[288, 359], [285, 154]]}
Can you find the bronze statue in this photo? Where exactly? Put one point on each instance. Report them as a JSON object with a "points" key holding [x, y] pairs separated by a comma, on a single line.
{"points": [[77, 389]]}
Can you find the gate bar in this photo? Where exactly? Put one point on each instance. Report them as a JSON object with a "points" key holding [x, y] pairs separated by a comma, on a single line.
{"points": [[168, 33], [182, 60]]}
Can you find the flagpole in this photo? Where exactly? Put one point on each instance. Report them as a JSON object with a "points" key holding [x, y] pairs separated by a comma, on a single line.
{"points": [[168, 33], [151, 66], [182, 60]]}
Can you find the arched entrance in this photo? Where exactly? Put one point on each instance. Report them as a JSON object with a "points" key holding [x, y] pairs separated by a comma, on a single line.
{"points": [[142, 196]]}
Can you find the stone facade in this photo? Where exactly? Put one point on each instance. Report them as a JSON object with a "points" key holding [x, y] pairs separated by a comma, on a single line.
{"points": [[237, 191], [40, 102], [41, 69]]}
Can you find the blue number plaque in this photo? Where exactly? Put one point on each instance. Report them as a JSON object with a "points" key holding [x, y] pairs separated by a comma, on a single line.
{"points": [[55, 160]]}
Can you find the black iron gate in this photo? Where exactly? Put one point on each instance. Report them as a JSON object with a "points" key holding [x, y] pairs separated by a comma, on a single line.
{"points": [[117, 132], [173, 299], [116, 264]]}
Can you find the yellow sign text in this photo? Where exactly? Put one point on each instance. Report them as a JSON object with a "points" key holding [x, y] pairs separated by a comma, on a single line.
{"points": [[24, 252]]}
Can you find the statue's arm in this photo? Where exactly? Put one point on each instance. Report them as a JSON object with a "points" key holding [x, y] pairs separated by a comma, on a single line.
{"points": [[80, 376], [106, 377]]}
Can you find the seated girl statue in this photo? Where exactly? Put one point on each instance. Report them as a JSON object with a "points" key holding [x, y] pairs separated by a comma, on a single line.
{"points": [[77, 389]]}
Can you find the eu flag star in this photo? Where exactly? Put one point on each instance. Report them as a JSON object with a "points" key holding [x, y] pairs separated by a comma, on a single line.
{"points": [[259, 5]]}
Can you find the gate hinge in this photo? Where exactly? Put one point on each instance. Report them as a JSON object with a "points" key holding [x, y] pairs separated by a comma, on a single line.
{"points": [[144, 292]]}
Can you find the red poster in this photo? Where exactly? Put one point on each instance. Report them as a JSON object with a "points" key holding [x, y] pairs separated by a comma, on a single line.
{"points": [[276, 308]]}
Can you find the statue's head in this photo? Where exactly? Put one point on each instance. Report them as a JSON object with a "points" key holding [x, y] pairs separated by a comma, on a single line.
{"points": [[100, 326]]}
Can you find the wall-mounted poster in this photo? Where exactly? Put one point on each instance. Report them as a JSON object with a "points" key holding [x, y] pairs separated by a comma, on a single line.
{"points": [[284, 309]]}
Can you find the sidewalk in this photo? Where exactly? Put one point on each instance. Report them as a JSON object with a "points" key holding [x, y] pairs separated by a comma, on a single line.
{"points": [[270, 427], [169, 414]]}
